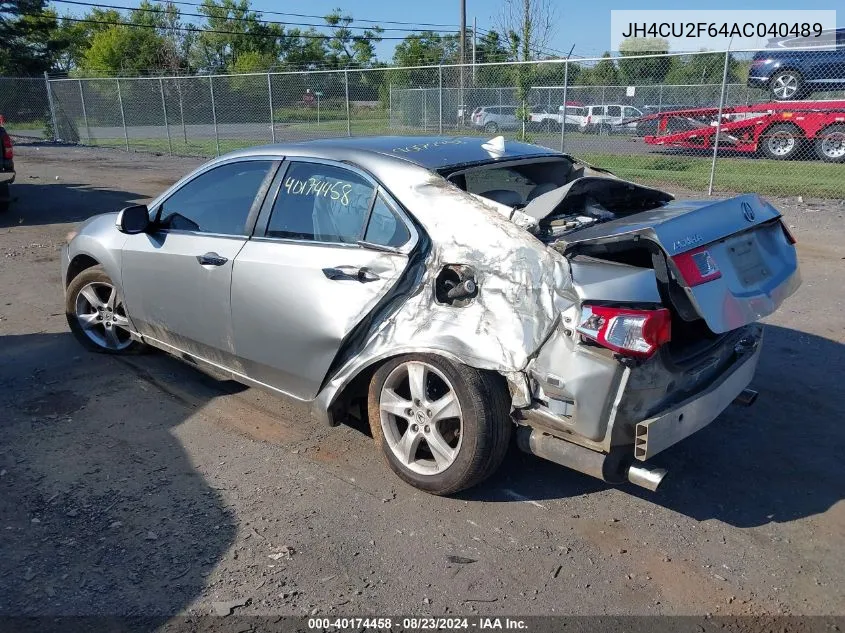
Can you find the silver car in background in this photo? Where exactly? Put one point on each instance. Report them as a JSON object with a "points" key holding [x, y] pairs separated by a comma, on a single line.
{"points": [[451, 291]]}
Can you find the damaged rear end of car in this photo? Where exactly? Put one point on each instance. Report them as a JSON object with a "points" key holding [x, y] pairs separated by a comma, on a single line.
{"points": [[663, 336]]}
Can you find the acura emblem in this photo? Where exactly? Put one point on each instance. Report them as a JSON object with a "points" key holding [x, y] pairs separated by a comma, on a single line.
{"points": [[747, 212]]}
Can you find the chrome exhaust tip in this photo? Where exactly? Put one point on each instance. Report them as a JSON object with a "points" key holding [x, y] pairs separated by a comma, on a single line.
{"points": [[648, 478], [746, 398]]}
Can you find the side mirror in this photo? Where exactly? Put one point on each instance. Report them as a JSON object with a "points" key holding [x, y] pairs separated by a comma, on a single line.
{"points": [[134, 219]]}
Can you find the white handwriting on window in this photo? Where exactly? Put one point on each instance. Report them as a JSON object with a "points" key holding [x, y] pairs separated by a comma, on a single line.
{"points": [[335, 189]]}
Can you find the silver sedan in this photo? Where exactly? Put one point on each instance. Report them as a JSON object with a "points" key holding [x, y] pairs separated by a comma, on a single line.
{"points": [[452, 291]]}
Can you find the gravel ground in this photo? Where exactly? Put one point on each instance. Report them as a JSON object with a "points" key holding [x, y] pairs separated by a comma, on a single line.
{"points": [[141, 486]]}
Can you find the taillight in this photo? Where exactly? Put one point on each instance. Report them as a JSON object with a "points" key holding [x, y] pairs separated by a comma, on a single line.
{"points": [[8, 153], [789, 236], [697, 266], [589, 119], [626, 331]]}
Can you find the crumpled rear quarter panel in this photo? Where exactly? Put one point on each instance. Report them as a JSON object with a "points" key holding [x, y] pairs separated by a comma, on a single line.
{"points": [[523, 286]]}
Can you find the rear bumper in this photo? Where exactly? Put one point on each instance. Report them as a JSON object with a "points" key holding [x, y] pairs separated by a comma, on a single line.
{"points": [[661, 431], [7, 177]]}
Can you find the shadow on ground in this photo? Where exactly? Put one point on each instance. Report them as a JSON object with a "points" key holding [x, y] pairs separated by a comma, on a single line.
{"points": [[102, 510], [778, 461], [36, 203]]}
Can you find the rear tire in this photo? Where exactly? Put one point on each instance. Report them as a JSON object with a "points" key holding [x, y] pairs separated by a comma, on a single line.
{"points": [[830, 144], [781, 142], [448, 433], [96, 316], [4, 198], [492, 127]]}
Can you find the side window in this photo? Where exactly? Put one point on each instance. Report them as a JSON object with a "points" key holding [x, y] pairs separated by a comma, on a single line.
{"points": [[321, 203], [630, 112], [385, 228], [217, 201], [614, 110]]}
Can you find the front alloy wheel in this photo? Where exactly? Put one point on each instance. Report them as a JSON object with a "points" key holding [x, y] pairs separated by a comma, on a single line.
{"points": [[96, 314], [442, 427]]}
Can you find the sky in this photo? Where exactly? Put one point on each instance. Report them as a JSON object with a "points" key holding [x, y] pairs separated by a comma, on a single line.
{"points": [[582, 23]]}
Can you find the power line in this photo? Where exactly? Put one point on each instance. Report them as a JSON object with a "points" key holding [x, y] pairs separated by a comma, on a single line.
{"points": [[162, 11], [193, 29], [307, 15]]}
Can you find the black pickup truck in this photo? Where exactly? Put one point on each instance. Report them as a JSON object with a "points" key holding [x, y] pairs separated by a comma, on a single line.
{"points": [[7, 169]]}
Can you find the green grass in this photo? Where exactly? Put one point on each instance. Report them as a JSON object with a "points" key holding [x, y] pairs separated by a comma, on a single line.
{"points": [[740, 175], [737, 175]]}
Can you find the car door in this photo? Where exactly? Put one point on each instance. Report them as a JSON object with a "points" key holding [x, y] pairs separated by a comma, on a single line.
{"points": [[176, 278], [328, 247]]}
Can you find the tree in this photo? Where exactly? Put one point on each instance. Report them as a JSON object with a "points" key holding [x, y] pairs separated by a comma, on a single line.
{"points": [[240, 30], [344, 48], [604, 73], [140, 47], [491, 47], [28, 37], [426, 48], [528, 25], [638, 71]]}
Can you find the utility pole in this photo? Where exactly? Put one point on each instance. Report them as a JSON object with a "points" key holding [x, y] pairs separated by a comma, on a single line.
{"points": [[462, 58], [474, 38]]}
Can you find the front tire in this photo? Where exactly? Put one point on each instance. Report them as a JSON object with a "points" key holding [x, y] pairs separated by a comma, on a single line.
{"points": [[442, 427], [781, 142], [96, 315]]}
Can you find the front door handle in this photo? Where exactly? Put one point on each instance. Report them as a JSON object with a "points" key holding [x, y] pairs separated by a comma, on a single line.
{"points": [[340, 273], [211, 259]]}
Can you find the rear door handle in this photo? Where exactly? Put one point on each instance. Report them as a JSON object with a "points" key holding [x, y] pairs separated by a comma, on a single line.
{"points": [[340, 273], [211, 259]]}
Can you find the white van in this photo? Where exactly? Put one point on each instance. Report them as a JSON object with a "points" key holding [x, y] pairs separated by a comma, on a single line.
{"points": [[608, 119]]}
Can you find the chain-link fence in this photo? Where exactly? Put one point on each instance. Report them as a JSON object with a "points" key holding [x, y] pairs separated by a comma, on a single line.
{"points": [[24, 108], [705, 121]]}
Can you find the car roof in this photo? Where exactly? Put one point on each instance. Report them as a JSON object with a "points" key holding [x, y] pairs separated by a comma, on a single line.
{"points": [[430, 152]]}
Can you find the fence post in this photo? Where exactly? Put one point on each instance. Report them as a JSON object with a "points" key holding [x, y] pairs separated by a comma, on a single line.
{"points": [[182, 111], [272, 116], [84, 112], [122, 115], [660, 99], [563, 118], [164, 110], [390, 106], [440, 97], [348, 120], [719, 122], [214, 115], [52, 107]]}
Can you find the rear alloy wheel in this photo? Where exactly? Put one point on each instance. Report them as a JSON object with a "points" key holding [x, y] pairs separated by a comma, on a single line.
{"points": [[830, 144], [492, 127], [786, 85], [96, 315], [781, 142], [441, 426]]}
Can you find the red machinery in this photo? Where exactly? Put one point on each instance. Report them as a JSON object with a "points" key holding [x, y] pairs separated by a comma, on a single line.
{"points": [[778, 129]]}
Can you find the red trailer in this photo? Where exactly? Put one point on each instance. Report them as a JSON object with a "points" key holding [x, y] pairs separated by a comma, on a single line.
{"points": [[778, 129]]}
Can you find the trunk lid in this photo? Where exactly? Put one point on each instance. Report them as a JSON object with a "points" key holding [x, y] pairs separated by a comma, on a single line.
{"points": [[742, 238]]}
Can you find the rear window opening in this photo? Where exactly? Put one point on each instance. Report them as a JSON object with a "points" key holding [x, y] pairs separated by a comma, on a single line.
{"points": [[593, 196]]}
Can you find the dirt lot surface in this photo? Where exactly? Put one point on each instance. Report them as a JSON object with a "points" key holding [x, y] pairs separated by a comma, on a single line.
{"points": [[144, 487]]}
